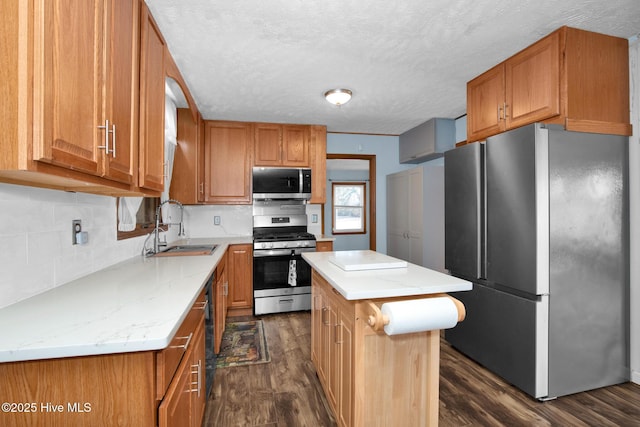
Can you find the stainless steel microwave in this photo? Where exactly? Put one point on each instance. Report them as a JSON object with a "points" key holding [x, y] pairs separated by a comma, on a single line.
{"points": [[281, 183]]}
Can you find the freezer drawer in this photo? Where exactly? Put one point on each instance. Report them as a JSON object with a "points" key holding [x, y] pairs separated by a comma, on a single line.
{"points": [[500, 332]]}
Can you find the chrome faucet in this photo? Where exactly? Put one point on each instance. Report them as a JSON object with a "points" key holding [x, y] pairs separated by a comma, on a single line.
{"points": [[156, 230]]}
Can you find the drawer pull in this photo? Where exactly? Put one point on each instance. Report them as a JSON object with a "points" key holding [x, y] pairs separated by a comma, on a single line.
{"points": [[186, 344], [201, 305]]}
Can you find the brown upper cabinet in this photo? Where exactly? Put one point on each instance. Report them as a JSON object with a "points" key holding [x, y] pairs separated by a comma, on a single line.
{"points": [[575, 78], [153, 53], [70, 70], [74, 126], [187, 181], [318, 148], [228, 149], [214, 159], [281, 145], [84, 85]]}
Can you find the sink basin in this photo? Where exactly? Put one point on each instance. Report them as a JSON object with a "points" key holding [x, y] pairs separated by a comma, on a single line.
{"points": [[184, 250]]}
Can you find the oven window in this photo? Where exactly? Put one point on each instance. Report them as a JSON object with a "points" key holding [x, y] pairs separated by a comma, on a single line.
{"points": [[272, 272]]}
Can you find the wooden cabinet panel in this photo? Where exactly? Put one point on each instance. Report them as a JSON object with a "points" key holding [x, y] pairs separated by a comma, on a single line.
{"points": [[152, 104], [198, 378], [175, 409], [281, 145], [532, 80], [123, 95], [267, 146], [220, 309], [485, 104], [169, 358], [227, 163], [325, 246], [240, 268], [318, 150], [68, 78], [345, 360], [183, 404], [187, 181], [83, 92], [316, 329], [332, 354], [295, 146], [575, 78]]}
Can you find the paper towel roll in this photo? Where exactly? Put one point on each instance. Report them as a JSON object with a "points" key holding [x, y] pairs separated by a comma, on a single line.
{"points": [[419, 315]]}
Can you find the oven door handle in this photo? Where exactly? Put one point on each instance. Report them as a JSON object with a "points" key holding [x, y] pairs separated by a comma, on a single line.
{"points": [[280, 252]]}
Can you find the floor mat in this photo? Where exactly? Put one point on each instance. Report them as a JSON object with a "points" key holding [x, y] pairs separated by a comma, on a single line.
{"points": [[243, 343]]}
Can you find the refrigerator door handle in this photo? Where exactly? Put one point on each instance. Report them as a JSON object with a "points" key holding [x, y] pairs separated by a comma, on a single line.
{"points": [[542, 209], [482, 214]]}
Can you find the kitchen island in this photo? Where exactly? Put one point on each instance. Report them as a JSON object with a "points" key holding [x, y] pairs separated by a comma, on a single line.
{"points": [[372, 378]]}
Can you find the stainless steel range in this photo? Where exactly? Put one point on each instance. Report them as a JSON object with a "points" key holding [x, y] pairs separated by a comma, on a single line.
{"points": [[281, 278]]}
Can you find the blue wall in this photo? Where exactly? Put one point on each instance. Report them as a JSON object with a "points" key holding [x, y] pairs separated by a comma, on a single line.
{"points": [[385, 148]]}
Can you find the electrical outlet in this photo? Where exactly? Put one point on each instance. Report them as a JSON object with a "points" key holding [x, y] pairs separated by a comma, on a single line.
{"points": [[314, 218], [216, 220], [76, 228]]}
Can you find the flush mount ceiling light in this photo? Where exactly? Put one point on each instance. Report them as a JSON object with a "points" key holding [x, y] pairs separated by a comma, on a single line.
{"points": [[338, 96]]}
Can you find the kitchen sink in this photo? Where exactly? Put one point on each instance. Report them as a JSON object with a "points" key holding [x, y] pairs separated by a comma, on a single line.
{"points": [[185, 250]]}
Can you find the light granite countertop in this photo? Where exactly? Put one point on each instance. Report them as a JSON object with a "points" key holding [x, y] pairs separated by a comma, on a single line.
{"points": [[412, 280], [135, 305]]}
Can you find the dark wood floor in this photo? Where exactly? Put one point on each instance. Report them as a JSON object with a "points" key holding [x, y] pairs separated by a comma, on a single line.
{"points": [[286, 391]]}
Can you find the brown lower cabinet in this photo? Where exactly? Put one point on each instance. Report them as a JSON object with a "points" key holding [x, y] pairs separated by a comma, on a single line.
{"points": [[324, 246], [184, 403], [146, 388], [240, 274], [370, 378], [221, 292]]}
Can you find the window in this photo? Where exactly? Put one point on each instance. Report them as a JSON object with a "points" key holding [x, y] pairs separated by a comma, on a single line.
{"points": [[145, 218], [348, 204]]}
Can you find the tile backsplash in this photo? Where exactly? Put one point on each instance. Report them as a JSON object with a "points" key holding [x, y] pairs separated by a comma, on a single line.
{"points": [[36, 250]]}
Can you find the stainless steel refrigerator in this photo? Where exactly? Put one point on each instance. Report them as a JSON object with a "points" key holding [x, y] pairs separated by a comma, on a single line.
{"points": [[537, 218]]}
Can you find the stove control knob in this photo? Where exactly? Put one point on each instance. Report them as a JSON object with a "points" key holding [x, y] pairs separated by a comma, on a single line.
{"points": [[299, 244], [270, 244]]}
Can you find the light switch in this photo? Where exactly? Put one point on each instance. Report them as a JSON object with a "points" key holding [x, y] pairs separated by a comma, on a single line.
{"points": [[216, 220]]}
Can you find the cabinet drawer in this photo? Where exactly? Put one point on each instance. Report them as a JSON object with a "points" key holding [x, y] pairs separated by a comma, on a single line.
{"points": [[167, 360]]}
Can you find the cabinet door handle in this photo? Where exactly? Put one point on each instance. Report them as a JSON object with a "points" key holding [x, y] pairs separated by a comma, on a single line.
{"points": [[335, 333], [106, 136], [113, 140], [186, 344], [202, 188], [324, 321], [499, 115], [198, 382], [505, 110]]}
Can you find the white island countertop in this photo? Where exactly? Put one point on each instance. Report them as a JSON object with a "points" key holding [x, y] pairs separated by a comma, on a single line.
{"points": [[380, 282], [135, 305]]}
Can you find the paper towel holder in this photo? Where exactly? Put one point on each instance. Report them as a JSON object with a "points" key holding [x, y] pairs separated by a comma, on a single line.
{"points": [[377, 321]]}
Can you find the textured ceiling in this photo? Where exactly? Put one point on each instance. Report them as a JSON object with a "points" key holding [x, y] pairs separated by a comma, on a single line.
{"points": [[405, 61]]}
